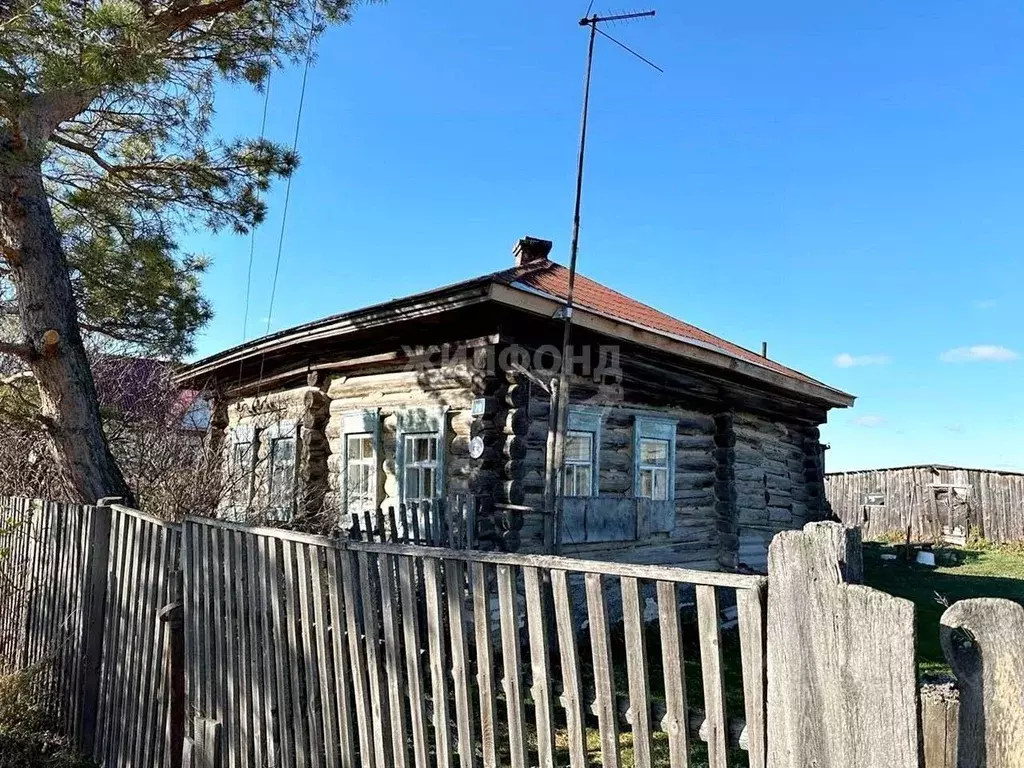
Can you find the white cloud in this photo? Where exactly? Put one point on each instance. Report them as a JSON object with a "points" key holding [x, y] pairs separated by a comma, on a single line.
{"points": [[846, 360], [978, 353], [869, 421], [986, 304]]}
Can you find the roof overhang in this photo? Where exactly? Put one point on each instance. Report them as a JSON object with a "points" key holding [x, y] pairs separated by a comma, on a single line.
{"points": [[519, 297], [539, 303], [410, 308]]}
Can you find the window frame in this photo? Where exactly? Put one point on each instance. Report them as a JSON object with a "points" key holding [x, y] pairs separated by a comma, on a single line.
{"points": [[572, 462], [655, 428], [281, 432], [421, 421], [583, 418], [353, 423], [243, 434]]}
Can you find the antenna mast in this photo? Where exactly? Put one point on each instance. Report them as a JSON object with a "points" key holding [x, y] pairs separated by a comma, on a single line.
{"points": [[555, 480]]}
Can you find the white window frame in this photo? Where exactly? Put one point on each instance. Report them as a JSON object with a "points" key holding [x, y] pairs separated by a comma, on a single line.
{"points": [[655, 428], [587, 419], [283, 430], [242, 435], [353, 423], [422, 421]]}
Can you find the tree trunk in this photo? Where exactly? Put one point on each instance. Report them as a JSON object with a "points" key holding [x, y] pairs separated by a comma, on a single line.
{"points": [[49, 327]]}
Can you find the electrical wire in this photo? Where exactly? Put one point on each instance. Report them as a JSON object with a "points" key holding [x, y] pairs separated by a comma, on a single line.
{"points": [[288, 185], [252, 236]]}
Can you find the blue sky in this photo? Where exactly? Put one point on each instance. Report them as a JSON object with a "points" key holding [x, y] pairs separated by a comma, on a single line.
{"points": [[845, 181]]}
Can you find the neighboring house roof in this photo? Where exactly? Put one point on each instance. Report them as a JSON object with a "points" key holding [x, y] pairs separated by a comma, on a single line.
{"points": [[540, 286]]}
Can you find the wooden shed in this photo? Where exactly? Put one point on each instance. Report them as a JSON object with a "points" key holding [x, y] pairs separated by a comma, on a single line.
{"points": [[935, 500], [682, 447]]}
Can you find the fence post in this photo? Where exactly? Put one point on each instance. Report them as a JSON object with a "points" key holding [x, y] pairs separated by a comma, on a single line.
{"points": [[983, 640], [842, 676], [173, 615], [94, 589]]}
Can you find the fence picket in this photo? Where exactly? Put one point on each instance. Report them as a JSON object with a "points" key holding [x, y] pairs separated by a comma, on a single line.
{"points": [[370, 585], [434, 594], [410, 629], [312, 701], [343, 678], [323, 668], [512, 665], [393, 659], [600, 642], [636, 667], [455, 582], [676, 723], [540, 667], [572, 689], [752, 609], [357, 657], [713, 670]]}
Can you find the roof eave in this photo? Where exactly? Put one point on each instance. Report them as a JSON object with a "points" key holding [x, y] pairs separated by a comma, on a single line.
{"points": [[543, 304], [409, 308]]}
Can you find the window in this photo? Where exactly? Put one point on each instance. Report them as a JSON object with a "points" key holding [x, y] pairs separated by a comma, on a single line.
{"points": [[653, 469], [582, 451], [421, 453], [579, 464], [361, 445], [654, 457], [239, 478], [420, 467], [360, 477], [281, 465]]}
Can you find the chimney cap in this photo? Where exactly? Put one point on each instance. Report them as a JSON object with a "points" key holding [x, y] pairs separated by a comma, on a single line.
{"points": [[529, 250]]}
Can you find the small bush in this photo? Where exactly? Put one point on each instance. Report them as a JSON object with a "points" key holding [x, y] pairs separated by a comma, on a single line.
{"points": [[27, 739]]}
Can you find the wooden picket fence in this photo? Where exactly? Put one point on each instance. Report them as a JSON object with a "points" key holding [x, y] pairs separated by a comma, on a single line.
{"points": [[308, 651], [447, 523], [229, 646]]}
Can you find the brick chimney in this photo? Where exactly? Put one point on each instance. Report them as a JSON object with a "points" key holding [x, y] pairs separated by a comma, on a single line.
{"points": [[530, 250]]}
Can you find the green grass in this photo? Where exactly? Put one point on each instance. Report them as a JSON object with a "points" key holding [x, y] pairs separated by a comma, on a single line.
{"points": [[984, 572]]}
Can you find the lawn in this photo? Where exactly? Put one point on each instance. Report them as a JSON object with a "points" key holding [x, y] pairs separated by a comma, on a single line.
{"points": [[985, 572]]}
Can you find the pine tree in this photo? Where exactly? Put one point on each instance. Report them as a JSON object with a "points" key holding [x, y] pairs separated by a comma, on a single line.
{"points": [[106, 156]]}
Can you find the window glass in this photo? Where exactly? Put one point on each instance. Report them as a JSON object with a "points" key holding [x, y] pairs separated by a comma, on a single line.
{"points": [[653, 469], [241, 474], [361, 495], [282, 474], [420, 467], [579, 464]]}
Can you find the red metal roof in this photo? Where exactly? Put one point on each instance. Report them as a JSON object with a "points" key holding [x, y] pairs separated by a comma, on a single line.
{"points": [[553, 279]]}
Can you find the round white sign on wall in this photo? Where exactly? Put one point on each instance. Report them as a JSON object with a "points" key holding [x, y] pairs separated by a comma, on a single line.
{"points": [[476, 447]]}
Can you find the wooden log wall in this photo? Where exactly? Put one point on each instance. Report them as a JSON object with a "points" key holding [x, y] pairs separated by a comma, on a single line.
{"points": [[777, 482], [994, 501], [453, 387], [309, 651]]}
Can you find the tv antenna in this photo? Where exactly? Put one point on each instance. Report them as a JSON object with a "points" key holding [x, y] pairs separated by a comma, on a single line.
{"points": [[594, 21]]}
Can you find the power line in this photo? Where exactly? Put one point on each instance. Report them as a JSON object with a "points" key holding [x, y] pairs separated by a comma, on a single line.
{"points": [[252, 236], [288, 185]]}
